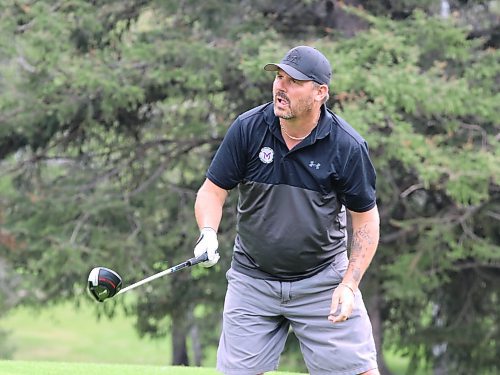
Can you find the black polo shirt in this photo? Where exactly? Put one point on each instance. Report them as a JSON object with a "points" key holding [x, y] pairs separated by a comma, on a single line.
{"points": [[291, 207]]}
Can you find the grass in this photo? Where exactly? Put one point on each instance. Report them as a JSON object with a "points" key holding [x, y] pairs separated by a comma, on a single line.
{"points": [[65, 368], [51, 340], [63, 333], [86, 345], [399, 365]]}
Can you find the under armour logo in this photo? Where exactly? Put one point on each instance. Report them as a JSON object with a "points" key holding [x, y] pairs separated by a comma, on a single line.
{"points": [[313, 164], [293, 57]]}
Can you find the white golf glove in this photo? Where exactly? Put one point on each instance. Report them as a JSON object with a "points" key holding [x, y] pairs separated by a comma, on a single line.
{"points": [[207, 243]]}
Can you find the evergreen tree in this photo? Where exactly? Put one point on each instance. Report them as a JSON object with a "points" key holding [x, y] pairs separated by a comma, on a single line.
{"points": [[110, 112]]}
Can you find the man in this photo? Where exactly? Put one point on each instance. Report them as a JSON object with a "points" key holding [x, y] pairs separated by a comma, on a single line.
{"points": [[298, 167]]}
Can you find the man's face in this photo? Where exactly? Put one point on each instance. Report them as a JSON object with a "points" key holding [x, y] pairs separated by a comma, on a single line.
{"points": [[292, 98]]}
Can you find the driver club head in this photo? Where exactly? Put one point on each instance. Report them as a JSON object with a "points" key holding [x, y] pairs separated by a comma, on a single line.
{"points": [[103, 283]]}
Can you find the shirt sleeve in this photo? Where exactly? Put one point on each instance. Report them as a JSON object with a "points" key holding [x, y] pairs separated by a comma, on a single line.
{"points": [[228, 166], [357, 182]]}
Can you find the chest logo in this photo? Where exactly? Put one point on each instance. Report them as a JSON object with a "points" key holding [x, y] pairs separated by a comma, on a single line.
{"points": [[266, 155], [313, 164]]}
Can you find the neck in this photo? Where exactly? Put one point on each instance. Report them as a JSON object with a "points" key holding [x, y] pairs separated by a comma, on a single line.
{"points": [[299, 129]]}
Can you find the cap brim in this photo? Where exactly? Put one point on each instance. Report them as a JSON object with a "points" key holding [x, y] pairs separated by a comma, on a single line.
{"points": [[292, 72]]}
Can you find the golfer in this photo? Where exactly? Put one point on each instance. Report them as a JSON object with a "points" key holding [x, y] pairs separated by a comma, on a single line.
{"points": [[299, 169]]}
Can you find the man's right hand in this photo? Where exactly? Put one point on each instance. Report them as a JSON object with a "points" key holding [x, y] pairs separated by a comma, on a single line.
{"points": [[207, 243]]}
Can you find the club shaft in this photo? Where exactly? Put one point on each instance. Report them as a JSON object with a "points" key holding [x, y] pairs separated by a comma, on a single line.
{"points": [[187, 263]]}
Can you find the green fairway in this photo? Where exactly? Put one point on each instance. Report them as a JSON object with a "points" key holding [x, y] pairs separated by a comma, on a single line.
{"points": [[49, 340], [63, 333], [65, 368]]}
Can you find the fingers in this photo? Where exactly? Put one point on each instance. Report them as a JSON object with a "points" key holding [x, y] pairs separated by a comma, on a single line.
{"points": [[344, 298], [207, 243], [341, 317], [212, 259], [333, 309]]}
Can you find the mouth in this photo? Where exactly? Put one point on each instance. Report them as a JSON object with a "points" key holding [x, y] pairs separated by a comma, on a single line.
{"points": [[281, 99]]}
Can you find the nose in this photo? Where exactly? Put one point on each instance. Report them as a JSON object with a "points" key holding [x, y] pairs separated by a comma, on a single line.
{"points": [[279, 84]]}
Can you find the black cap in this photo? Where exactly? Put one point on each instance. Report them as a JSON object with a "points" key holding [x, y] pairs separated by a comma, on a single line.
{"points": [[305, 64]]}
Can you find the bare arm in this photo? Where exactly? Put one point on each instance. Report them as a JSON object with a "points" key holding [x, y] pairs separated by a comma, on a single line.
{"points": [[208, 205], [365, 237]]}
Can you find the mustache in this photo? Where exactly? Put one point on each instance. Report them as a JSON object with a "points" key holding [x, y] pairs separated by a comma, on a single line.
{"points": [[281, 95]]}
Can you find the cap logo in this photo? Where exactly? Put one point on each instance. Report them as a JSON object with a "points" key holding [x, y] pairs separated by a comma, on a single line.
{"points": [[266, 155], [293, 57]]}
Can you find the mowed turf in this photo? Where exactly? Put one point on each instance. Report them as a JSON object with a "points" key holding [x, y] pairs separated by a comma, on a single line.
{"points": [[64, 368], [65, 340], [64, 333]]}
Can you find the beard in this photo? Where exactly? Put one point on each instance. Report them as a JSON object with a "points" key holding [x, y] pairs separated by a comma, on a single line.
{"points": [[285, 109]]}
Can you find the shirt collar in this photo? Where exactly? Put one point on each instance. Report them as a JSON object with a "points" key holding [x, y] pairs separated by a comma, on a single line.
{"points": [[321, 131]]}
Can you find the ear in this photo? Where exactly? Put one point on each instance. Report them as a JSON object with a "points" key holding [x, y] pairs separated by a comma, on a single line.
{"points": [[322, 93]]}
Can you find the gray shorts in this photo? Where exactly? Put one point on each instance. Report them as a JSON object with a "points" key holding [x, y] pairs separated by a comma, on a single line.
{"points": [[258, 314]]}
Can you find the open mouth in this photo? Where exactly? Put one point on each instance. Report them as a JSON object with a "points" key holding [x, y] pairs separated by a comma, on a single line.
{"points": [[281, 99]]}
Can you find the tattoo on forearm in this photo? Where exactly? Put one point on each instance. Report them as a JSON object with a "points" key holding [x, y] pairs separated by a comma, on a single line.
{"points": [[361, 238]]}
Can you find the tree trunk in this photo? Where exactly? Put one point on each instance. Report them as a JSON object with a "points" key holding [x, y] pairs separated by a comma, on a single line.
{"points": [[196, 343], [179, 347]]}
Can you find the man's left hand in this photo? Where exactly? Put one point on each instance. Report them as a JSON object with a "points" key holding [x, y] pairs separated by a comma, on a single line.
{"points": [[343, 295]]}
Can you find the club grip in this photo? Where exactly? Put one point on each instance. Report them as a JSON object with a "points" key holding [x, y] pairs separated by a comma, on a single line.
{"points": [[202, 258]]}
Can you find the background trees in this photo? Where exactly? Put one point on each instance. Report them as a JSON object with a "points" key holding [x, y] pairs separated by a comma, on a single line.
{"points": [[110, 112]]}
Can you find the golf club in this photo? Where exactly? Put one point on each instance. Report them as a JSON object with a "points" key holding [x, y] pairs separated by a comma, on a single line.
{"points": [[104, 283]]}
